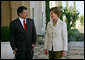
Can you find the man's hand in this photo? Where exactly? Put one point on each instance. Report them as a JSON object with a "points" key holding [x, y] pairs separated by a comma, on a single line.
{"points": [[33, 46], [14, 51], [45, 51], [63, 53]]}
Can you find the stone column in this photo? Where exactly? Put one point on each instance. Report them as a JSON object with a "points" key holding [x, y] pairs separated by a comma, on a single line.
{"points": [[43, 17], [57, 3], [60, 3], [74, 5], [36, 14], [67, 4]]}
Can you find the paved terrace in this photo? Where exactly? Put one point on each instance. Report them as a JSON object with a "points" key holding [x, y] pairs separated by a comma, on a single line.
{"points": [[75, 51]]}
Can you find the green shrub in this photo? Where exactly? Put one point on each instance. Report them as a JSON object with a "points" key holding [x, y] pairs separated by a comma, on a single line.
{"points": [[75, 35], [5, 34]]}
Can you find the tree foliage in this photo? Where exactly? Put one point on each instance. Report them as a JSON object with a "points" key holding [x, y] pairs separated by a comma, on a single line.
{"points": [[71, 17]]}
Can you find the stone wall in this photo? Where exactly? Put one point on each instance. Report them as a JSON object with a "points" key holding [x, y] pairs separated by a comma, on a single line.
{"points": [[9, 10], [5, 13]]}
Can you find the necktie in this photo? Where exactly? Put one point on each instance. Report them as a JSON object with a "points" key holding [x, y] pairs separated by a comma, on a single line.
{"points": [[25, 27]]}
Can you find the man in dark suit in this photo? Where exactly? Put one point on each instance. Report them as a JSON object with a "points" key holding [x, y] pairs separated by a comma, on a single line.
{"points": [[22, 35]]}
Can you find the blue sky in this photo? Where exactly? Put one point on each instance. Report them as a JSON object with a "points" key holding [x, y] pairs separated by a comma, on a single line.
{"points": [[79, 5]]}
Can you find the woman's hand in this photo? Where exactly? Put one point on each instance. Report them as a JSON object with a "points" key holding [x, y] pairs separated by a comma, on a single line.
{"points": [[45, 51], [14, 51]]}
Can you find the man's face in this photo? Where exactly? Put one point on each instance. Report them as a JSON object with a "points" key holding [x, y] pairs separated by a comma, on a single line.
{"points": [[24, 14]]}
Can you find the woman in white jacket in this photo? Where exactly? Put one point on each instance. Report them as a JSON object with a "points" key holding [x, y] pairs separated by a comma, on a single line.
{"points": [[56, 42]]}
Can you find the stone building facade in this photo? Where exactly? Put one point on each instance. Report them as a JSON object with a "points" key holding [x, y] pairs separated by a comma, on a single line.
{"points": [[36, 11]]}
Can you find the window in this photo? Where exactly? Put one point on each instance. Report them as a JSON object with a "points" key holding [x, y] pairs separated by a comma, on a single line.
{"points": [[32, 13]]}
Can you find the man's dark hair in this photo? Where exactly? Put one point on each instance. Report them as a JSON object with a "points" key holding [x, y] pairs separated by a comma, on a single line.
{"points": [[20, 9]]}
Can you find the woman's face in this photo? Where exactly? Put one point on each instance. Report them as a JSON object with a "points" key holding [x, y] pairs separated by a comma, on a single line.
{"points": [[53, 15]]}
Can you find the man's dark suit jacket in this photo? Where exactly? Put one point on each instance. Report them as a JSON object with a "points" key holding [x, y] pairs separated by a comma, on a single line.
{"points": [[21, 39]]}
